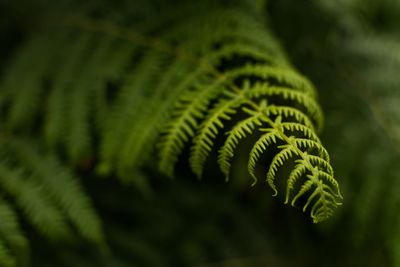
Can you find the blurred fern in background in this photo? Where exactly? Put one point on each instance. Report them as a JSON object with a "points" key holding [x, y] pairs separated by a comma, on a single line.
{"points": [[99, 101]]}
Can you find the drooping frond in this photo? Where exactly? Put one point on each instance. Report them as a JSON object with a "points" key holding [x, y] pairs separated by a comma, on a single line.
{"points": [[284, 155], [238, 132], [111, 92], [14, 249], [58, 113], [36, 205], [283, 76], [303, 143], [320, 182], [303, 100], [291, 113], [298, 171], [300, 128], [63, 188], [260, 147], [48, 195], [190, 108], [203, 142], [25, 94]]}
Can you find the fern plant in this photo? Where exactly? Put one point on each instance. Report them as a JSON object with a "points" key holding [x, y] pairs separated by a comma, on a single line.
{"points": [[366, 94], [49, 197], [105, 92]]}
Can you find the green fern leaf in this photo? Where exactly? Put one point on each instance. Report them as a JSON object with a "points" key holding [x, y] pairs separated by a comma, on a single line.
{"points": [[239, 131], [285, 154], [203, 142], [11, 238], [31, 198], [63, 188], [299, 171], [56, 121], [294, 127], [301, 98], [191, 107], [128, 87]]}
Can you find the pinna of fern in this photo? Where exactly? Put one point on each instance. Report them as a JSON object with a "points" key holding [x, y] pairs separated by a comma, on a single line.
{"points": [[47, 195], [106, 92]]}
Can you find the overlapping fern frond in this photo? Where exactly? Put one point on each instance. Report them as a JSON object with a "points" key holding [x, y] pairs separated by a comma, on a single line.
{"points": [[120, 87], [48, 196], [105, 93]]}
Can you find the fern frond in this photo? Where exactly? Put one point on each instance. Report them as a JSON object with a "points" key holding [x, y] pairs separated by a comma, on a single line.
{"points": [[318, 161], [203, 142], [310, 144], [324, 187], [56, 116], [283, 76], [299, 171], [295, 127], [33, 201], [128, 107], [12, 238], [135, 85], [302, 99], [285, 154], [190, 108], [63, 188], [109, 71], [290, 112], [231, 50], [150, 123], [54, 125], [83, 91], [260, 147], [25, 102], [238, 132]]}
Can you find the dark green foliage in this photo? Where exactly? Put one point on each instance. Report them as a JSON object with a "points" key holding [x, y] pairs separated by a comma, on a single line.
{"points": [[48, 195], [184, 88], [101, 94], [137, 90]]}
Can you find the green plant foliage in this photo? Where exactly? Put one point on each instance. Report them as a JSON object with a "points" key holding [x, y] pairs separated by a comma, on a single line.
{"points": [[105, 93], [48, 195], [169, 84], [139, 90], [13, 244], [360, 44]]}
